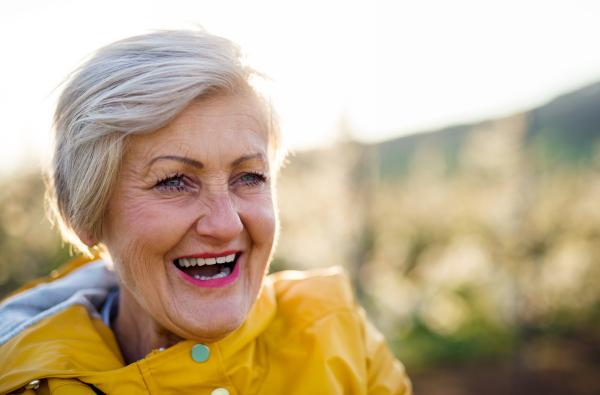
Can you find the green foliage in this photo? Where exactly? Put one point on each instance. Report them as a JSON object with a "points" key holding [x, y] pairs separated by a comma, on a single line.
{"points": [[29, 248], [423, 348]]}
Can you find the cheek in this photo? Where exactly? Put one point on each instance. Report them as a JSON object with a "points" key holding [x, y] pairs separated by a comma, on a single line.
{"points": [[139, 229], [258, 215]]}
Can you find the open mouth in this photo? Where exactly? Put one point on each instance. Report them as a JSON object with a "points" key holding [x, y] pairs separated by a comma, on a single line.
{"points": [[208, 268]]}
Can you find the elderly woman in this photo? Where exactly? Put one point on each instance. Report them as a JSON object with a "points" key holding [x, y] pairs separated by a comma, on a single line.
{"points": [[165, 159]]}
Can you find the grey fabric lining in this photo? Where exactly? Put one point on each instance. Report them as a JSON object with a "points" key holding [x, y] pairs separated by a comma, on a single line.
{"points": [[88, 286], [109, 309]]}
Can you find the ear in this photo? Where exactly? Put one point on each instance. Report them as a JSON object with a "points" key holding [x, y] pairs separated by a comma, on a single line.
{"points": [[86, 237]]}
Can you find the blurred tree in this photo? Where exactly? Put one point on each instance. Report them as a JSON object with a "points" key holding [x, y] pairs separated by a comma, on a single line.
{"points": [[464, 244], [29, 247]]}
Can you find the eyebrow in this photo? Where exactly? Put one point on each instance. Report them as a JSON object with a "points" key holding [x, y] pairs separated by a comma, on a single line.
{"points": [[200, 165], [182, 159], [247, 157]]}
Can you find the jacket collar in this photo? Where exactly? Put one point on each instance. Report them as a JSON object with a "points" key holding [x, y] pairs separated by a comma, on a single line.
{"points": [[74, 342]]}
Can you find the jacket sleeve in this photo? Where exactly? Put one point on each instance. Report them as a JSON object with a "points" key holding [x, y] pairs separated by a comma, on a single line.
{"points": [[68, 387], [386, 375], [57, 386]]}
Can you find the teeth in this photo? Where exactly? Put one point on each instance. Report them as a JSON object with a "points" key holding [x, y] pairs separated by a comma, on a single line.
{"points": [[187, 262], [224, 273]]}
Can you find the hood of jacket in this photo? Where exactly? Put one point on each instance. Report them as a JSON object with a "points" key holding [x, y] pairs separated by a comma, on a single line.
{"points": [[305, 334], [55, 330]]}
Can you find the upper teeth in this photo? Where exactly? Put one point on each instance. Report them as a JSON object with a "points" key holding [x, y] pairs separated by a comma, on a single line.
{"points": [[187, 262]]}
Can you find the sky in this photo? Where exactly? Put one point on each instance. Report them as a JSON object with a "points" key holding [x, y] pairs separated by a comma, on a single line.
{"points": [[384, 68]]}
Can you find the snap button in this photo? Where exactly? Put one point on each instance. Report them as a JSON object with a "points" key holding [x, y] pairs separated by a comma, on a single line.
{"points": [[220, 391], [200, 353], [33, 385]]}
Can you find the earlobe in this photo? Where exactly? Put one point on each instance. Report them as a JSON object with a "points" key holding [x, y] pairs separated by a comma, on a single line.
{"points": [[87, 238]]}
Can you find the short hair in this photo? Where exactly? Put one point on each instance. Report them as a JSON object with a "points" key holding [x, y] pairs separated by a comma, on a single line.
{"points": [[134, 86]]}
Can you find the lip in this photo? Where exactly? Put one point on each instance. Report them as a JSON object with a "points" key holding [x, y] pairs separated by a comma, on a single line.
{"points": [[217, 282]]}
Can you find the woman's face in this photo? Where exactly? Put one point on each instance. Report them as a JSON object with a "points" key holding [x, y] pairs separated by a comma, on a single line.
{"points": [[191, 222]]}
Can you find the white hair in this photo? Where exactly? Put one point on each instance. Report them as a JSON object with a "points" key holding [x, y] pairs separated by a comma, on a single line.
{"points": [[133, 86]]}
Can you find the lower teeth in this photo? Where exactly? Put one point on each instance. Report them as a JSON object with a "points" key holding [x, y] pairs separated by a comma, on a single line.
{"points": [[224, 273]]}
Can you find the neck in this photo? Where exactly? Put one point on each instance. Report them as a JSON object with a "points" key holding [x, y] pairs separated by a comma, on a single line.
{"points": [[136, 332]]}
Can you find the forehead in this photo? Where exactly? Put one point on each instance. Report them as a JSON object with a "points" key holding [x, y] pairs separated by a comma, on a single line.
{"points": [[235, 123]]}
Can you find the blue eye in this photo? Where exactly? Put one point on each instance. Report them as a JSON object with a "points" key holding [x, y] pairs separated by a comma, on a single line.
{"points": [[175, 182], [172, 183], [252, 179], [249, 178]]}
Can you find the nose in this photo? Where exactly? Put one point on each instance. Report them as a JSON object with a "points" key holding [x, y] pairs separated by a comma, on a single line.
{"points": [[221, 223]]}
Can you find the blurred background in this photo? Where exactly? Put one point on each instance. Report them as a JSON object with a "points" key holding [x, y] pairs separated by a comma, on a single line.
{"points": [[445, 152]]}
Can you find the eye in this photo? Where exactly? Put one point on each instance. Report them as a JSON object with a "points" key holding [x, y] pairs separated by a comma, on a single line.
{"points": [[249, 178], [254, 178], [172, 183]]}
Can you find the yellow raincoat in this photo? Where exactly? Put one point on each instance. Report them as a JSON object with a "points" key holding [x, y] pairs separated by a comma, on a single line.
{"points": [[305, 335]]}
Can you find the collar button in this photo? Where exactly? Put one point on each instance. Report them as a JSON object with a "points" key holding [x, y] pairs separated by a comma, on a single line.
{"points": [[200, 353]]}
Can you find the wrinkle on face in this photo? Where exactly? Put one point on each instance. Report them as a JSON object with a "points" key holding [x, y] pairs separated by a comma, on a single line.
{"points": [[148, 225]]}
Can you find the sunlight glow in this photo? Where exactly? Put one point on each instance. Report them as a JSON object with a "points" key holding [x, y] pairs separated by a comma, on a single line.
{"points": [[387, 67]]}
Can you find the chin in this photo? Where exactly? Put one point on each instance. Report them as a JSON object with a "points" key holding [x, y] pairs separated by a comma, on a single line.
{"points": [[213, 324]]}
